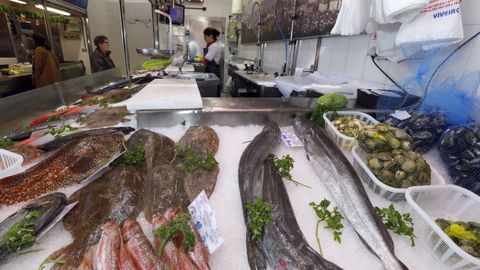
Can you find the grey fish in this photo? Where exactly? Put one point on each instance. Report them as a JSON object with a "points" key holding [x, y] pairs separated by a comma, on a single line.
{"points": [[283, 243], [346, 188], [249, 168], [49, 206], [58, 143], [203, 141]]}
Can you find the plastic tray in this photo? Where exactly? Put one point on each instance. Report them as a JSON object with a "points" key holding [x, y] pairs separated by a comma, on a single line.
{"points": [[387, 192], [343, 141], [449, 202], [10, 163]]}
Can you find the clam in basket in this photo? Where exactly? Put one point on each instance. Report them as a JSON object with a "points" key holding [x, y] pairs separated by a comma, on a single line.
{"points": [[343, 141], [426, 204], [10, 163], [368, 177]]}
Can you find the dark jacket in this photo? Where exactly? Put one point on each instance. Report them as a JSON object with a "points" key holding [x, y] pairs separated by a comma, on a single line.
{"points": [[101, 61]]}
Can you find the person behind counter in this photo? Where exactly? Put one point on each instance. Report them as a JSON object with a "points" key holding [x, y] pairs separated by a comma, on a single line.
{"points": [[214, 51], [46, 67], [101, 57]]}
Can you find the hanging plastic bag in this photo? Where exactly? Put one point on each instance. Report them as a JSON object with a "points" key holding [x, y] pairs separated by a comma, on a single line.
{"points": [[352, 18], [438, 25], [402, 11], [460, 150]]}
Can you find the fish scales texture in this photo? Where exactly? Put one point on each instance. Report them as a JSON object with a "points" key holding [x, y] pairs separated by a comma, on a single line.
{"points": [[108, 252], [250, 165], [28, 152], [164, 183], [106, 116], [126, 262], [98, 203], [57, 143], [200, 255], [170, 252], [203, 141], [71, 164], [139, 247], [336, 172], [283, 242]]}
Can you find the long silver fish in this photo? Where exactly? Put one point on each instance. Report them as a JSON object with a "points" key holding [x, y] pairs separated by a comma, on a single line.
{"points": [[346, 188], [251, 187]]}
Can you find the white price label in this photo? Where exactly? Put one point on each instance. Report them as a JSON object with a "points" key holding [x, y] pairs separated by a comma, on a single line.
{"points": [[206, 223], [401, 115], [289, 138]]}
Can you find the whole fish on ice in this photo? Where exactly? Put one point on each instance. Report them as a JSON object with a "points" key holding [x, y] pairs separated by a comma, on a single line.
{"points": [[342, 181]]}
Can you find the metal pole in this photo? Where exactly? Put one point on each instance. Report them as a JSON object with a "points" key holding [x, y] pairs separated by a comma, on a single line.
{"points": [[291, 59], [47, 25], [156, 44], [124, 38], [88, 40], [317, 54]]}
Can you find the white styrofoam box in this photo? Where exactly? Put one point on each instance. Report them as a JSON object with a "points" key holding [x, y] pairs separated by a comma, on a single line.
{"points": [[472, 63], [166, 94], [325, 55], [274, 57], [306, 53], [343, 141], [387, 192], [450, 202], [371, 72]]}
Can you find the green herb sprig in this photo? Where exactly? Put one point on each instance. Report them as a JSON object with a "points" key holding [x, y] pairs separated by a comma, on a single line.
{"points": [[191, 162], [284, 166], [60, 131], [176, 227], [260, 215], [134, 157], [5, 142], [22, 233], [401, 224], [333, 220], [48, 261]]}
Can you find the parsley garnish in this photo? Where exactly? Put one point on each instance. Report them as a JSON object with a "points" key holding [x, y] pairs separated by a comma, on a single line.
{"points": [[284, 166], [22, 233], [332, 218], [190, 161], [134, 157], [396, 222], [5, 142], [260, 215], [178, 226], [60, 131]]}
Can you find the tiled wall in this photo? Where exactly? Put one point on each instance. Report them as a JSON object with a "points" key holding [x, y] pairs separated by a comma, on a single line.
{"points": [[348, 55]]}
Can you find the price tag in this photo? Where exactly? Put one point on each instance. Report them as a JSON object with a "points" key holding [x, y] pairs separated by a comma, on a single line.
{"points": [[206, 223], [289, 138], [401, 115]]}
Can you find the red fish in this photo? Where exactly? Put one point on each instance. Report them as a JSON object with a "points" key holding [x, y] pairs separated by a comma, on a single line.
{"points": [[87, 261], [199, 255], [108, 252], [169, 255], [139, 247], [126, 262]]}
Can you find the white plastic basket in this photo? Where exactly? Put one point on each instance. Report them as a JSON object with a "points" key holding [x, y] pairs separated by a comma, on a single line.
{"points": [[428, 203], [343, 141], [387, 192], [10, 163]]}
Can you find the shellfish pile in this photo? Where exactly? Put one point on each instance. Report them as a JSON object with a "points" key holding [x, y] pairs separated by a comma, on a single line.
{"points": [[424, 128], [349, 125], [384, 138], [459, 148], [400, 168]]}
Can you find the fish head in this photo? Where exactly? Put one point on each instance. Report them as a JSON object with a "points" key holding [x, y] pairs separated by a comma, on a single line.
{"points": [[301, 129]]}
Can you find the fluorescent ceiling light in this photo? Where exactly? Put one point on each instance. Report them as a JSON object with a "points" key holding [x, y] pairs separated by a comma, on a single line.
{"points": [[19, 2], [54, 10]]}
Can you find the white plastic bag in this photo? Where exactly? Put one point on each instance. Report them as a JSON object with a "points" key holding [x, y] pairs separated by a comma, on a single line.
{"points": [[439, 24], [402, 11], [352, 18]]}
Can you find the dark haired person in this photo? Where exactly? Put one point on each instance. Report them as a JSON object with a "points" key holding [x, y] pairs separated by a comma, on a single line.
{"points": [[101, 56], [45, 68], [214, 51]]}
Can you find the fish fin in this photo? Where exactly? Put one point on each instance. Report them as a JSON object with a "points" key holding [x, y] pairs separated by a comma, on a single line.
{"points": [[82, 165]]}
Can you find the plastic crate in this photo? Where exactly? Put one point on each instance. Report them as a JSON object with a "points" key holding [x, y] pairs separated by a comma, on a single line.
{"points": [[451, 202], [387, 192], [343, 141], [10, 163]]}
